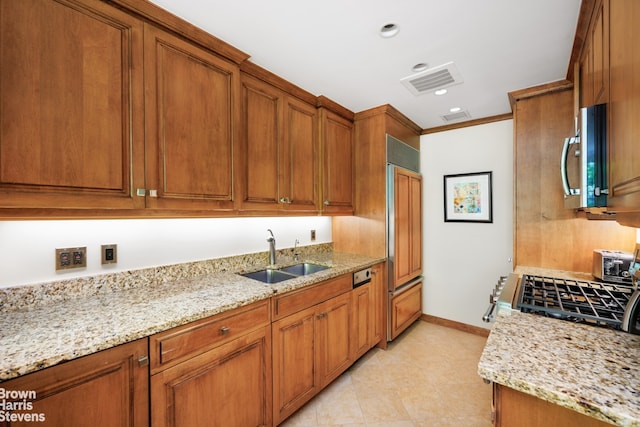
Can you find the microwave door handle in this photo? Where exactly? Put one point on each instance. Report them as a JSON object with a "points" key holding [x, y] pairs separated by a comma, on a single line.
{"points": [[568, 191]]}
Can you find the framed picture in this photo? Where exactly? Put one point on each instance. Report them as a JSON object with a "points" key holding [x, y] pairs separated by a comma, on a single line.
{"points": [[467, 197]]}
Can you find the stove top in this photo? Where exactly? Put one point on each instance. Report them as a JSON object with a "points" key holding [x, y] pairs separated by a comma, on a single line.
{"points": [[599, 304]]}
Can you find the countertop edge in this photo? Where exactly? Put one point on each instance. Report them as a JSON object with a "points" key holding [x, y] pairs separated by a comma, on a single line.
{"points": [[197, 288], [501, 370]]}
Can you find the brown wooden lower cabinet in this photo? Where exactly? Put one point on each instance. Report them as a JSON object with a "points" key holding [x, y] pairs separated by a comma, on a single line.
{"points": [[514, 408], [105, 389], [226, 386], [367, 312], [362, 319], [215, 372], [334, 337], [310, 349], [234, 369]]}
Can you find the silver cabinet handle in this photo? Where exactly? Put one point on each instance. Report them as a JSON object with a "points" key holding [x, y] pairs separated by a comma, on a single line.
{"points": [[141, 192], [143, 361], [224, 330], [326, 203]]}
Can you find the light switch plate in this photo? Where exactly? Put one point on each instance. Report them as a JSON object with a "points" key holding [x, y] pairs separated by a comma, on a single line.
{"points": [[109, 254]]}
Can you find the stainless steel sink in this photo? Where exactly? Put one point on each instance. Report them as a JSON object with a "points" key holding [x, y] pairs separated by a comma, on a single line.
{"points": [[269, 275], [304, 269], [272, 275]]}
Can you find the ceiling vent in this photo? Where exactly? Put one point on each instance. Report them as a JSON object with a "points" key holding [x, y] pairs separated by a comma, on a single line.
{"points": [[434, 78], [454, 117]]}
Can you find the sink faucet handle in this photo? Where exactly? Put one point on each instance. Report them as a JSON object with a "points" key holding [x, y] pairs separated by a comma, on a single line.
{"points": [[272, 238]]}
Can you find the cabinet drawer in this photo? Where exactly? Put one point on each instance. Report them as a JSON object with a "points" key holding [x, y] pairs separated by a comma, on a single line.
{"points": [[406, 308], [291, 302], [173, 346]]}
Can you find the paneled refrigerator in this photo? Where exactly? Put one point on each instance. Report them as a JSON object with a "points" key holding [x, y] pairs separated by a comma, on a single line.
{"points": [[404, 236]]}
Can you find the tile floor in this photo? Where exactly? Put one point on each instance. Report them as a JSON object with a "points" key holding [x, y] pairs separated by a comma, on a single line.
{"points": [[426, 377]]}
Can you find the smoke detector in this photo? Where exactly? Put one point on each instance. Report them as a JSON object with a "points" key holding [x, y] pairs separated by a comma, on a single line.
{"points": [[433, 79]]}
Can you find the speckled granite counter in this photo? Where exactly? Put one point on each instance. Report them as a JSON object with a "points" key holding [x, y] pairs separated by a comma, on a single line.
{"points": [[48, 323], [594, 371]]}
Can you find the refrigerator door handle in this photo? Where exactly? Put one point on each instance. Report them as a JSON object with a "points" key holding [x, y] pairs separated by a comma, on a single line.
{"points": [[405, 287]]}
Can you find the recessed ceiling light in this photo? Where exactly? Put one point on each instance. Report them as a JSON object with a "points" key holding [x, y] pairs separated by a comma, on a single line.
{"points": [[440, 92], [389, 30], [420, 67], [455, 109]]}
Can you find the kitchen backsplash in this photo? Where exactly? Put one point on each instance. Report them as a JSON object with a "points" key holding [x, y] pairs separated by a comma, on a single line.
{"points": [[27, 248], [21, 297]]}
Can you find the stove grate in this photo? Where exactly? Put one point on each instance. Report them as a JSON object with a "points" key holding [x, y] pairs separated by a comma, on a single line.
{"points": [[601, 304]]}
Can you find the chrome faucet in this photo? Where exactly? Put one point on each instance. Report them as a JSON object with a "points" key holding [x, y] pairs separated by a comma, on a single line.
{"points": [[295, 250], [272, 248]]}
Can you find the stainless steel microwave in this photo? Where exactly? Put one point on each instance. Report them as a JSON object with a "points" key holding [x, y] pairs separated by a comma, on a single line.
{"points": [[583, 165]]}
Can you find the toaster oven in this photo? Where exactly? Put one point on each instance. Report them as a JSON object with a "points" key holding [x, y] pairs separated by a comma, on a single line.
{"points": [[612, 266]]}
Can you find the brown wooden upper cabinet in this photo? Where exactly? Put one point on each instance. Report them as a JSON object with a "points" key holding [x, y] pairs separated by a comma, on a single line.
{"points": [[71, 110], [594, 65], [143, 115], [190, 114], [608, 73], [83, 126], [336, 136], [624, 105], [278, 153]]}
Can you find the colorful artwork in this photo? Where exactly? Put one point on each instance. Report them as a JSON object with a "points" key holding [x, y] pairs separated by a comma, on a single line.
{"points": [[467, 198]]}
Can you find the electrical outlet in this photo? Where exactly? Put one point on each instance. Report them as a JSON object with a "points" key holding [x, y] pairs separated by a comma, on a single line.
{"points": [[69, 258], [109, 254], [313, 235]]}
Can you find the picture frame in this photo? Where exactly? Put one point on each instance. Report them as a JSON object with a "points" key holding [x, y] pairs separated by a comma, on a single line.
{"points": [[468, 197]]}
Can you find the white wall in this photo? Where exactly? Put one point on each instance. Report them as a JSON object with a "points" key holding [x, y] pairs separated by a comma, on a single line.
{"points": [[462, 261], [27, 248]]}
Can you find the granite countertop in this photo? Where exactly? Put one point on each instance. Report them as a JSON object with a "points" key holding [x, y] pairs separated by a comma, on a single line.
{"points": [[52, 326], [592, 370]]}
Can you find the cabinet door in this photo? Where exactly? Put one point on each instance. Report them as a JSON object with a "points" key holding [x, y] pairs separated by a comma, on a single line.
{"points": [[624, 107], [408, 225], [104, 389], [71, 111], [362, 319], [368, 310], [586, 74], [299, 157], [278, 158], [515, 408], [228, 386], [262, 111], [333, 338], [337, 164], [378, 303], [190, 114], [594, 66], [295, 365]]}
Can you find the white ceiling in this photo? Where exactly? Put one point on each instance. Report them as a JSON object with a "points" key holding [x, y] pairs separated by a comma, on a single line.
{"points": [[333, 47]]}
